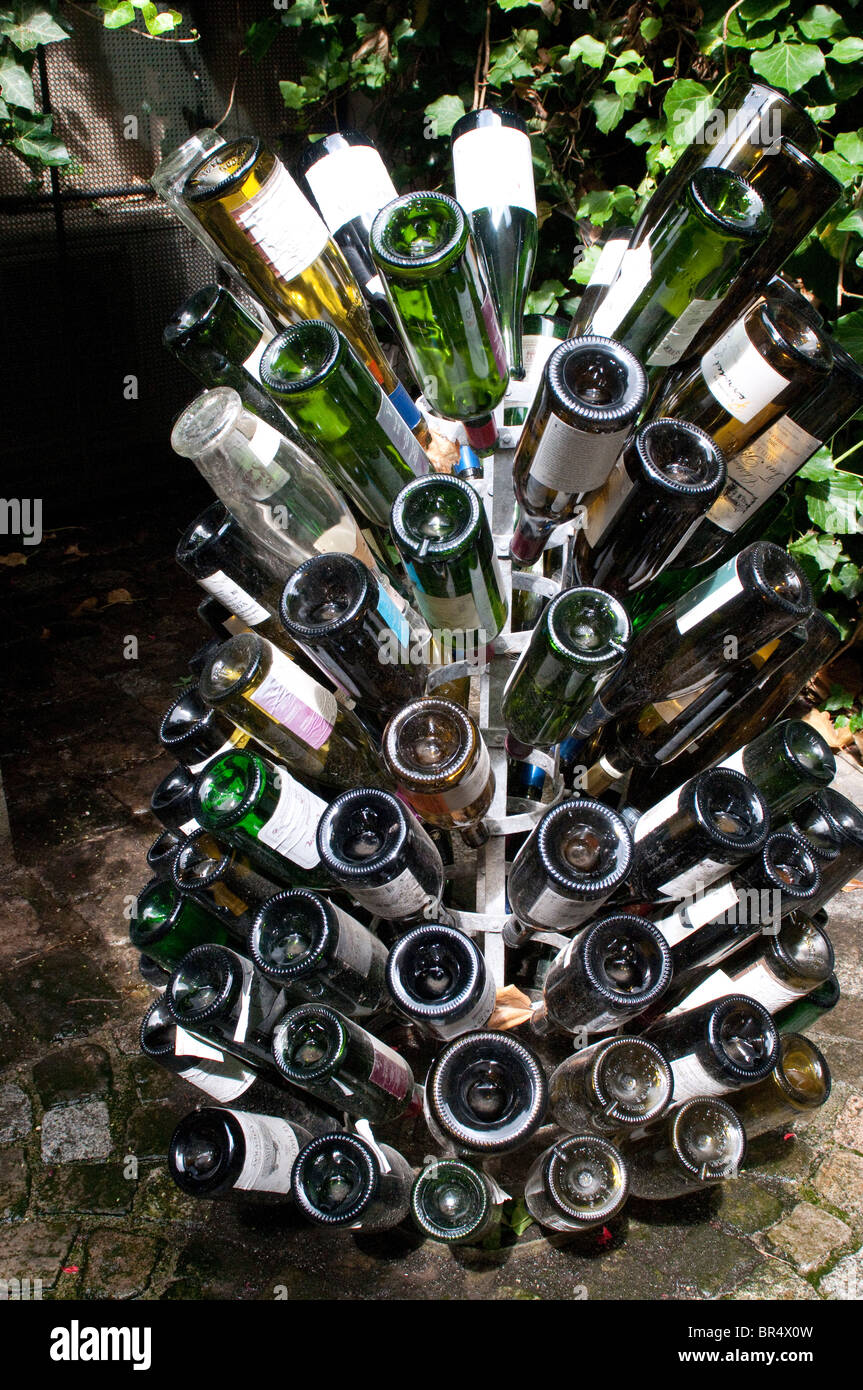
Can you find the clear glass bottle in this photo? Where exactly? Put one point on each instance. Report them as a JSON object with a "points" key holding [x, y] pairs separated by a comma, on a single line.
{"points": [[171, 173], [454, 1203], [580, 1182], [616, 1086], [485, 1093], [437, 977], [702, 1143], [438, 758]]}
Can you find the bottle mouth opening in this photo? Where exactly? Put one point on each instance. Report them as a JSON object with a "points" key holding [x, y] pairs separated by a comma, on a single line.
{"points": [[433, 971], [418, 230], [155, 910], [201, 985], [213, 524], [335, 1178], [194, 311], [225, 168], [486, 1090], [163, 848], [733, 808], [589, 626], [173, 789], [324, 594], [584, 844], [809, 751], [300, 357], [201, 1150], [780, 578], [729, 203], [449, 1200], [227, 789], [158, 1031], [431, 741], [289, 934], [232, 668], [796, 334], [207, 422], [308, 1043], [708, 1138], [842, 814], [790, 860], [802, 1071], [435, 516], [743, 1036], [626, 959], [490, 117], [632, 1080], [199, 862], [805, 950], [586, 1178], [185, 716], [679, 457], [598, 380], [363, 830]]}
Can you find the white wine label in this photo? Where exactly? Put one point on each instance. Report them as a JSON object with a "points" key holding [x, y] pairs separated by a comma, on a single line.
{"points": [[217, 1073], [536, 348], [271, 1149], [341, 539], [264, 443], [237, 740], [707, 907], [390, 1072], [470, 787], [244, 1016], [691, 1079], [735, 762], [657, 815], [709, 597], [190, 826], [296, 701], [552, 909], [393, 617], [252, 363], [356, 945], [188, 1045], [398, 431], [493, 167], [450, 612], [692, 880], [282, 224], [737, 375], [572, 461], [759, 469], [674, 927], [401, 897], [234, 598], [604, 505], [375, 286], [758, 982], [633, 275], [718, 985], [610, 258], [364, 1130], [350, 183], [672, 347], [292, 828]]}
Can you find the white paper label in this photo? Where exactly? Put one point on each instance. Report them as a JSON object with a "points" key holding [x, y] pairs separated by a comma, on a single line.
{"points": [[296, 701], [252, 363], [610, 258], [243, 1017], [350, 183], [718, 985], [708, 597], [292, 828], [283, 225], [656, 815], [706, 908], [551, 909], [691, 1079], [672, 347], [234, 598], [735, 762], [633, 275], [493, 168], [190, 826], [737, 375], [375, 286], [757, 982], [571, 461], [470, 787], [450, 613], [759, 469], [221, 1076], [536, 348], [341, 539], [398, 431], [692, 880], [401, 897], [604, 506], [356, 945], [271, 1150]]}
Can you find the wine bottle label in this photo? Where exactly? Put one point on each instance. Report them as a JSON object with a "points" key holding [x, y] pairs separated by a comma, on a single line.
{"points": [[610, 258], [704, 909], [479, 1014], [252, 363], [633, 275], [234, 598], [468, 790], [292, 828], [375, 287], [271, 1149], [759, 469], [450, 612], [190, 826], [657, 815], [296, 701], [350, 183], [536, 348], [692, 880], [551, 909], [735, 762], [758, 982], [571, 460], [343, 539], [390, 1072], [397, 430], [718, 985], [672, 347], [401, 897], [709, 597], [737, 375], [237, 740], [393, 617], [493, 167], [692, 1079], [216, 1073], [283, 225], [355, 946], [605, 504]]}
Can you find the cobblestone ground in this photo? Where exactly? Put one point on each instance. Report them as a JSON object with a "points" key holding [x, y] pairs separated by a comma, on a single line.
{"points": [[84, 1120]]}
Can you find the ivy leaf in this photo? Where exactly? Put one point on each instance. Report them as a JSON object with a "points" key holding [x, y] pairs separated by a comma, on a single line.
{"points": [[598, 206], [163, 23], [853, 222], [625, 82], [849, 333], [301, 12], [847, 580], [837, 166], [36, 142], [4, 110], [789, 66], [293, 95], [609, 110], [260, 37], [520, 1218], [583, 269], [821, 22], [649, 28], [835, 503], [823, 551], [591, 52], [444, 113], [850, 145], [545, 299], [839, 698], [758, 10], [628, 59], [685, 107], [847, 50], [819, 467], [121, 14], [820, 113], [35, 26], [16, 84]]}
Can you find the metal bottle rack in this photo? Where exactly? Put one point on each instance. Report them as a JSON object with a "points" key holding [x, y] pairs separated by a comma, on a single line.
{"points": [[486, 923]]}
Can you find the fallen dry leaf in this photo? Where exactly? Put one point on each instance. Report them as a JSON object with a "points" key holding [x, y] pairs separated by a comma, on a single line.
{"points": [[836, 738], [118, 596], [512, 1008], [85, 606], [853, 885], [442, 452], [15, 558], [75, 552]]}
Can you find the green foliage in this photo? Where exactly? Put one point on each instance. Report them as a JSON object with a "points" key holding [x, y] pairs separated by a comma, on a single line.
{"points": [[25, 132], [118, 13]]}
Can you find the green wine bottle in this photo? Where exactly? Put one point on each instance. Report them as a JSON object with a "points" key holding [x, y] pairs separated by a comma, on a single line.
{"points": [[341, 1063], [166, 923]]}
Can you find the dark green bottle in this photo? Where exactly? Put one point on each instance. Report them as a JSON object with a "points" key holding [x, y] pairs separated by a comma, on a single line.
{"points": [[444, 310], [787, 763], [167, 923], [223, 876], [455, 1203], [334, 401], [690, 260], [581, 638], [340, 1063], [442, 533]]}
